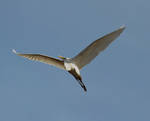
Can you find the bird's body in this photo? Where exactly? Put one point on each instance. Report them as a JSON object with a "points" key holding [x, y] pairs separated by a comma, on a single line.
{"points": [[74, 70], [75, 64], [71, 66]]}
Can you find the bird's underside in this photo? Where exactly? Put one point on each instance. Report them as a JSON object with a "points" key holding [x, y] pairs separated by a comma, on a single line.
{"points": [[80, 60]]}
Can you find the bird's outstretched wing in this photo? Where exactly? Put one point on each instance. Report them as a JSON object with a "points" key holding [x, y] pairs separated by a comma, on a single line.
{"points": [[90, 52], [44, 59]]}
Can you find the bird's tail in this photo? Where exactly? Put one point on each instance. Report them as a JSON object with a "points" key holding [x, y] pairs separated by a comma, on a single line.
{"points": [[82, 85], [78, 78]]}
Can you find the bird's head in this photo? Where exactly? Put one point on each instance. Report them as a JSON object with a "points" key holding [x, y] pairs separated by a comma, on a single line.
{"points": [[61, 57], [65, 59]]}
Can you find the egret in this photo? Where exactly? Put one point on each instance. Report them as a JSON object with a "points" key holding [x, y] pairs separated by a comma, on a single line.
{"points": [[75, 64]]}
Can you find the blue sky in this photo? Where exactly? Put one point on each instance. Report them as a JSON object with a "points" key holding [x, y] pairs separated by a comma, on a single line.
{"points": [[117, 80]]}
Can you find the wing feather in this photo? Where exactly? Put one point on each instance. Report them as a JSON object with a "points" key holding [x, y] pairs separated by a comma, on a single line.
{"points": [[91, 51], [43, 59]]}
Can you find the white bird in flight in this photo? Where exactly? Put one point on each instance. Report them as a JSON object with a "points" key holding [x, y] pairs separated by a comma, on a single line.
{"points": [[75, 64]]}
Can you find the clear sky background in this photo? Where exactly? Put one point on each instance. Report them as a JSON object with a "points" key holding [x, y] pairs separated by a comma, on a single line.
{"points": [[118, 80]]}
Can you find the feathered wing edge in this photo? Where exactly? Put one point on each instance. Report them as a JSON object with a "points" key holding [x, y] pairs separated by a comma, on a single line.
{"points": [[91, 51], [43, 59], [51, 61]]}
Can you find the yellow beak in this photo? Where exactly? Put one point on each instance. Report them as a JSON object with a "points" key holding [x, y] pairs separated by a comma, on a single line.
{"points": [[61, 57]]}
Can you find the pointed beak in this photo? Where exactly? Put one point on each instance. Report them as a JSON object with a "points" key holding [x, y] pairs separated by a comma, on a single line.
{"points": [[61, 57]]}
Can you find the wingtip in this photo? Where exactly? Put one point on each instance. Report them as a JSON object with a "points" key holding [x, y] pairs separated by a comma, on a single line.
{"points": [[14, 51], [122, 27]]}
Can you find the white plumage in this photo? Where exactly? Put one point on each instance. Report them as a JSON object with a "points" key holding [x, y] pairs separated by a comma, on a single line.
{"points": [[75, 64]]}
